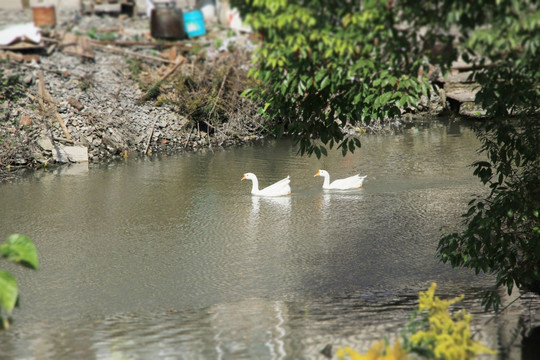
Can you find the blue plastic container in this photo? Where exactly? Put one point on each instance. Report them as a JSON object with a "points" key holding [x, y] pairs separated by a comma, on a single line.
{"points": [[194, 23]]}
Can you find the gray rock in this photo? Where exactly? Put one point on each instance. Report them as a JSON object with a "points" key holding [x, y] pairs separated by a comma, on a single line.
{"points": [[45, 143]]}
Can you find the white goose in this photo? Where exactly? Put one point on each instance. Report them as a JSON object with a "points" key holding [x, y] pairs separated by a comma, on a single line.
{"points": [[352, 182], [280, 188]]}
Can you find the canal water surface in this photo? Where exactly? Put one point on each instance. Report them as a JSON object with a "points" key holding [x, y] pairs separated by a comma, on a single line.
{"points": [[172, 258]]}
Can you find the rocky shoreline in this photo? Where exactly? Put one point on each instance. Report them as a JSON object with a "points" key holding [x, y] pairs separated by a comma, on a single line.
{"points": [[91, 107], [100, 102]]}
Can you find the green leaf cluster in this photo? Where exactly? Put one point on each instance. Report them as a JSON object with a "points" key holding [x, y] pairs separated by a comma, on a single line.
{"points": [[95, 34], [326, 66], [506, 49], [19, 249], [501, 229], [500, 233]]}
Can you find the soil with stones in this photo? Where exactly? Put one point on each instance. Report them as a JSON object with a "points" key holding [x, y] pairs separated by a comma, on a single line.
{"points": [[137, 96]]}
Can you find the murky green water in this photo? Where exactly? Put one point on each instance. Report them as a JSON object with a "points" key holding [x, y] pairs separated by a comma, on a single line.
{"points": [[174, 259]]}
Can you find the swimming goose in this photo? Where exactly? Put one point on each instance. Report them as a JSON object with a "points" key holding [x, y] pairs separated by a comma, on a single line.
{"points": [[280, 188], [352, 182]]}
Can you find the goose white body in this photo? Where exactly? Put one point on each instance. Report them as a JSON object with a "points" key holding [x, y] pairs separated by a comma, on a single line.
{"points": [[352, 182], [279, 188]]}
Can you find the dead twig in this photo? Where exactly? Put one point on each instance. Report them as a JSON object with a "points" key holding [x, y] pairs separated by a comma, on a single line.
{"points": [[212, 126], [189, 136], [64, 140], [44, 95], [131, 53], [178, 63], [154, 90], [219, 93], [41, 92], [117, 92], [150, 137], [58, 72], [143, 43]]}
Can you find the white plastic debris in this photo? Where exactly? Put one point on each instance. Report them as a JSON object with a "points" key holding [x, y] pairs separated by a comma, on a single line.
{"points": [[235, 21], [20, 32], [149, 7]]}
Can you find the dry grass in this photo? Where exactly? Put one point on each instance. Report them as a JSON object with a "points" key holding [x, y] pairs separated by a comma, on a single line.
{"points": [[208, 93]]}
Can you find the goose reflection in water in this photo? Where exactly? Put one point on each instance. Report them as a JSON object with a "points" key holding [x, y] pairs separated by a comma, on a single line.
{"points": [[280, 204], [269, 213], [339, 199]]}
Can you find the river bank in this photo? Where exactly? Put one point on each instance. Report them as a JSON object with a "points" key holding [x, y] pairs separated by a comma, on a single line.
{"points": [[100, 88]]}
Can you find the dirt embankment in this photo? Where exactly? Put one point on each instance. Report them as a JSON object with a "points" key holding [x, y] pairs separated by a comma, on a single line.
{"points": [[99, 87]]}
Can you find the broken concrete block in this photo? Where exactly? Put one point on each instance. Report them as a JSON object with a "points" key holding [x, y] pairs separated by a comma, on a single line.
{"points": [[45, 143], [65, 154]]}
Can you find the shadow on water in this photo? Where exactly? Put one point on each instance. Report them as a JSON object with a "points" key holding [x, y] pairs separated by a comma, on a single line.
{"points": [[173, 258]]}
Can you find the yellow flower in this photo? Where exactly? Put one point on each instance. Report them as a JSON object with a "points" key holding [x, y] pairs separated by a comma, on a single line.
{"points": [[447, 337], [377, 352]]}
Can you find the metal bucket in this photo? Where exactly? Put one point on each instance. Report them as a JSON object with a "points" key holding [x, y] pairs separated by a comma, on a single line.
{"points": [[166, 21]]}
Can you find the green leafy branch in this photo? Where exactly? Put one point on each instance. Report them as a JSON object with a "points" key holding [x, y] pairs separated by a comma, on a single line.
{"points": [[325, 67], [21, 250]]}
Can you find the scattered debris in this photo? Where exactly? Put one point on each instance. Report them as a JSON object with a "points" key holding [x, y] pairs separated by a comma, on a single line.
{"points": [[77, 45], [81, 93], [20, 33], [75, 103]]}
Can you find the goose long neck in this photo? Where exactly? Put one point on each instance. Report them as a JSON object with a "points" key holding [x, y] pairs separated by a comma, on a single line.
{"points": [[326, 180], [254, 185]]}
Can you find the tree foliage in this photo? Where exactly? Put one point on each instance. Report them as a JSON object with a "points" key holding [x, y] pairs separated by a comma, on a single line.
{"points": [[326, 66], [502, 229], [501, 233], [18, 249]]}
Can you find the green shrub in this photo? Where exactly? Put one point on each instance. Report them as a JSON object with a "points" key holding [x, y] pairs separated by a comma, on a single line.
{"points": [[19, 249]]}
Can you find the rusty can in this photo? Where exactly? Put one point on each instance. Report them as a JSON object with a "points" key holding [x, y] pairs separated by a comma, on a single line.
{"points": [[44, 15]]}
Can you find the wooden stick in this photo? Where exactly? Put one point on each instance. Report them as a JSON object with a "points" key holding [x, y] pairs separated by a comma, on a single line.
{"points": [[41, 91], [189, 136], [178, 63], [142, 43], [154, 91], [62, 124], [212, 126], [219, 93], [132, 53], [64, 140], [49, 99], [150, 138], [117, 92], [63, 73]]}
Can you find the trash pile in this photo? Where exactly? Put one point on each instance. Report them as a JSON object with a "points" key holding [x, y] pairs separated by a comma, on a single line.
{"points": [[83, 87]]}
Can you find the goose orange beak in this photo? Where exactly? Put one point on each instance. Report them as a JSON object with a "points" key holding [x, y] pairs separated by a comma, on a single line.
{"points": [[318, 173], [244, 177]]}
